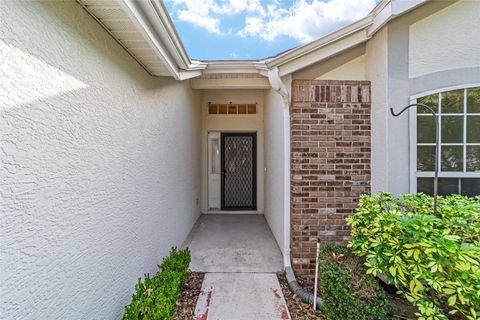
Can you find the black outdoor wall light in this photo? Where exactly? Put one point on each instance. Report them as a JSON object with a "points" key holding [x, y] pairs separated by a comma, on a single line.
{"points": [[437, 142]]}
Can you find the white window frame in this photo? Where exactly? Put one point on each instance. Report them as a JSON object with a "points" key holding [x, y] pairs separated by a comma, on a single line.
{"points": [[414, 174]]}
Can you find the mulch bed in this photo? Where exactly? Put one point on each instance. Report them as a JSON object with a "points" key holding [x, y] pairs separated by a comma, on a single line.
{"points": [[298, 310], [401, 308], [188, 299]]}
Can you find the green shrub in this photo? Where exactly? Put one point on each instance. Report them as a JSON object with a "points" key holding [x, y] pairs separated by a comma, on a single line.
{"points": [[177, 261], [155, 297], [434, 261], [348, 292]]}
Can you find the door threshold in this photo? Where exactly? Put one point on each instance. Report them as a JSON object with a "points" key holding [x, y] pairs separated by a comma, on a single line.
{"points": [[233, 212]]}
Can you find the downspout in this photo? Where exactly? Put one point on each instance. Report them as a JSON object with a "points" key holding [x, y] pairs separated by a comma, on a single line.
{"points": [[277, 84]]}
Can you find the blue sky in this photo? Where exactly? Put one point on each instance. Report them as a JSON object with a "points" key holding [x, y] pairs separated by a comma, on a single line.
{"points": [[255, 29]]}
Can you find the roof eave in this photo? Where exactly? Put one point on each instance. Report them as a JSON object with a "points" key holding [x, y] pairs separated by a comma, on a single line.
{"points": [[258, 67], [343, 39], [319, 43], [153, 21], [390, 9]]}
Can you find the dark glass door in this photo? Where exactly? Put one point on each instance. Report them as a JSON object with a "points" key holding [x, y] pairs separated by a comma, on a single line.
{"points": [[239, 154]]}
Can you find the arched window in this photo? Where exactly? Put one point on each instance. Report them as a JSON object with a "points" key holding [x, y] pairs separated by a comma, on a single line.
{"points": [[459, 112]]}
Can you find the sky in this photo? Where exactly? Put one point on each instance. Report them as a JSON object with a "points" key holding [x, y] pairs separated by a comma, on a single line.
{"points": [[255, 29]]}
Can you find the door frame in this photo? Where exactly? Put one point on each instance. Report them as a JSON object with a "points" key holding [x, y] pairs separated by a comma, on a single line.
{"points": [[254, 170]]}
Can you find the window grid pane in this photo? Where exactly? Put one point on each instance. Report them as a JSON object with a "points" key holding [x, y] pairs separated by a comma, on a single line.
{"points": [[452, 158], [453, 101], [452, 129], [473, 158], [472, 129], [426, 158], [431, 101], [473, 100], [425, 129]]}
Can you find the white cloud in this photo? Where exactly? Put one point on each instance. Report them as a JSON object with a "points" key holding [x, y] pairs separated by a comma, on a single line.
{"points": [[207, 14], [197, 13], [305, 20], [205, 21], [238, 6]]}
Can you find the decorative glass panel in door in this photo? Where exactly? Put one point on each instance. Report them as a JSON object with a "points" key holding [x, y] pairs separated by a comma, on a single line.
{"points": [[239, 171]]}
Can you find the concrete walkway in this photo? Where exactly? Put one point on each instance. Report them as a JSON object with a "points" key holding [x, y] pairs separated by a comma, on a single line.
{"points": [[240, 258]]}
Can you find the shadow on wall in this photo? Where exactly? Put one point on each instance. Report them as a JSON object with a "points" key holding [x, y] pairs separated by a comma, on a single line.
{"points": [[75, 23]]}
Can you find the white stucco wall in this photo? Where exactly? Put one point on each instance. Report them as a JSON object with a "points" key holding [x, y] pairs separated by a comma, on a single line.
{"points": [[389, 68], [352, 70], [347, 65], [274, 165], [232, 123], [376, 62], [99, 165], [447, 39]]}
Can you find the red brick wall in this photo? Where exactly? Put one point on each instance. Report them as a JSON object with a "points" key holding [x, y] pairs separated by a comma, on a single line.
{"points": [[330, 166]]}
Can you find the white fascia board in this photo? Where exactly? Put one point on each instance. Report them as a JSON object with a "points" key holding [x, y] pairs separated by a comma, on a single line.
{"points": [[230, 83], [189, 74], [135, 9], [215, 67], [322, 42], [324, 52], [172, 39], [342, 39], [401, 7], [197, 65], [389, 10], [381, 18], [154, 23]]}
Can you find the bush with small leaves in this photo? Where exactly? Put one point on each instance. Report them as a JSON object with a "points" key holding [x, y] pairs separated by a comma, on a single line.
{"points": [[348, 292], [156, 297]]}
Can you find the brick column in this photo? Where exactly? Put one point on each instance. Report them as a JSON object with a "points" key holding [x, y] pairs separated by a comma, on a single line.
{"points": [[330, 162]]}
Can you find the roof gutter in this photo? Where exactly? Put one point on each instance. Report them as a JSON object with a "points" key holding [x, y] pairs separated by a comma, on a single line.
{"points": [[319, 43], [277, 84], [245, 66], [344, 38], [153, 21], [390, 9]]}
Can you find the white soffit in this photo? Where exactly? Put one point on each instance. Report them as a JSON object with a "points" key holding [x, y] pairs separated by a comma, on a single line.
{"points": [[112, 16], [144, 29]]}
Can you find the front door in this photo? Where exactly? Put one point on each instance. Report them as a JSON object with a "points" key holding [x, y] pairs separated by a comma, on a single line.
{"points": [[238, 158]]}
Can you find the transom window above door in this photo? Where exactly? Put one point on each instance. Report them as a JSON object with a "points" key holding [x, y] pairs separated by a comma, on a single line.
{"points": [[232, 108], [459, 120]]}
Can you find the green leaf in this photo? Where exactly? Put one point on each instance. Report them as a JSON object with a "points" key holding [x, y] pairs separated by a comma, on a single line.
{"points": [[393, 270], [451, 301]]}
